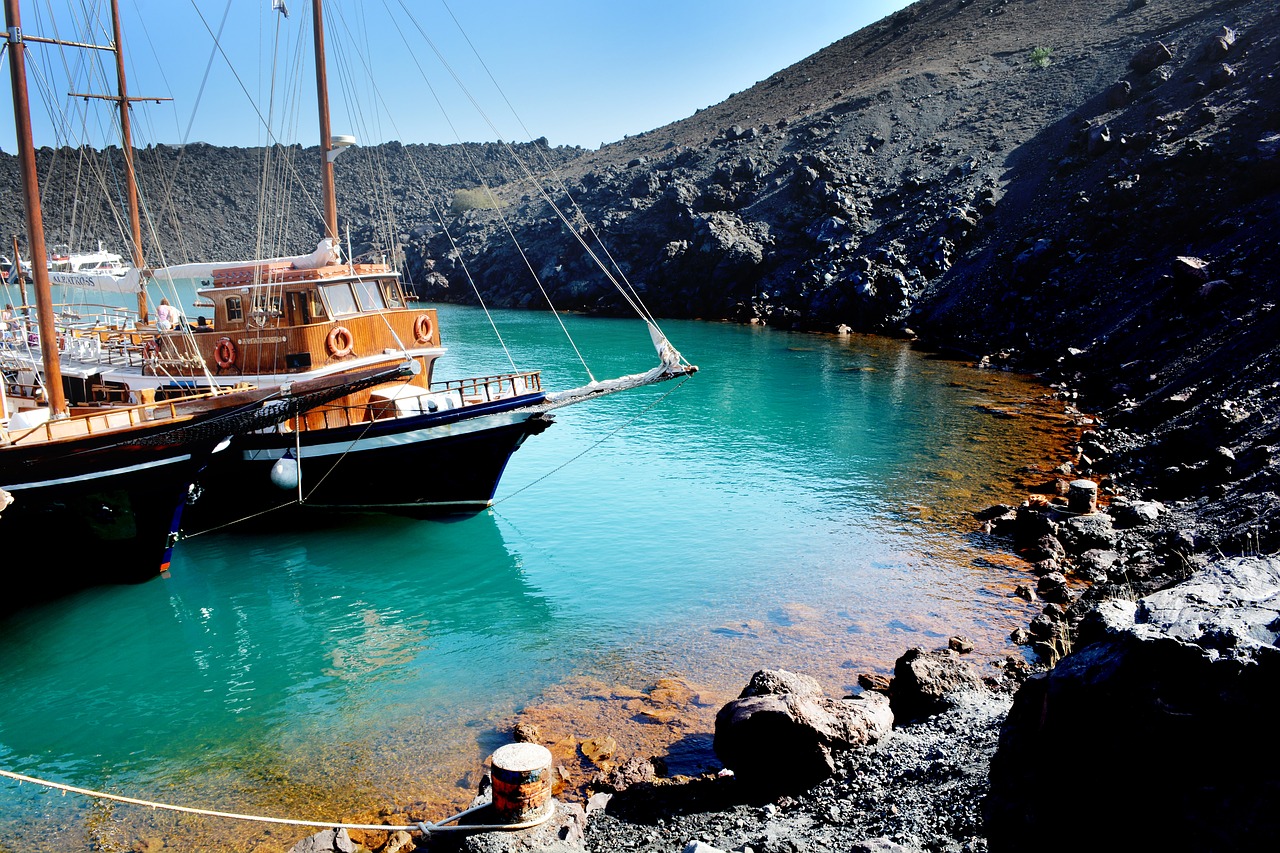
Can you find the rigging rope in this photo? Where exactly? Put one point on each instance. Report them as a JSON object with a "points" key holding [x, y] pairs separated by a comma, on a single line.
{"points": [[628, 293], [505, 223], [595, 444], [638, 304], [444, 227]]}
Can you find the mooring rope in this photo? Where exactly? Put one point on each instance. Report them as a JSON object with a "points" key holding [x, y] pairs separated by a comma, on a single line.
{"points": [[424, 827]]}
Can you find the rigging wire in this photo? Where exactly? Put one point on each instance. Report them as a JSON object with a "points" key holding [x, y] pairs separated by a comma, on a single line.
{"points": [[497, 207], [550, 168], [272, 139], [629, 294], [440, 218]]}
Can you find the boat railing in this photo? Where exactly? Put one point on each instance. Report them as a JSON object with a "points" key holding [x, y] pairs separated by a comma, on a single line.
{"points": [[77, 315], [89, 334], [92, 423], [487, 389], [465, 392]]}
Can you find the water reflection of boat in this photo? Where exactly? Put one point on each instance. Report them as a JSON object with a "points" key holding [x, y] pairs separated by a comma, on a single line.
{"points": [[241, 650]]}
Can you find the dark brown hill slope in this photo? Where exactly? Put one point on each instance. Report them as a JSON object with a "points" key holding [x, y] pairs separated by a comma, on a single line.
{"points": [[1016, 179], [202, 203]]}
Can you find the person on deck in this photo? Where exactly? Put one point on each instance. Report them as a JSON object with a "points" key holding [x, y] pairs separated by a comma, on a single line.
{"points": [[166, 316]]}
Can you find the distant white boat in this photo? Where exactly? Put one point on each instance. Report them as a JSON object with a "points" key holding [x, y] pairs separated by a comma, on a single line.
{"points": [[62, 259], [99, 271]]}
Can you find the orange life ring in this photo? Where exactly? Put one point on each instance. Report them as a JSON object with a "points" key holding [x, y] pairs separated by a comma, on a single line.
{"points": [[339, 342], [224, 352], [423, 329]]}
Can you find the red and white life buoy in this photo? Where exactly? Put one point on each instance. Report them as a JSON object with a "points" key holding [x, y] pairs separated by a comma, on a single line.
{"points": [[150, 352], [224, 353], [423, 329], [339, 342]]}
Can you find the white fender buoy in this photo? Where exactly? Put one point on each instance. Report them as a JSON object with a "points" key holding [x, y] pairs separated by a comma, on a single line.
{"points": [[284, 474]]}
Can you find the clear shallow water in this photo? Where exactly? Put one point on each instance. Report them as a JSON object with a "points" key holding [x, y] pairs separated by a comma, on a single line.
{"points": [[803, 502]]}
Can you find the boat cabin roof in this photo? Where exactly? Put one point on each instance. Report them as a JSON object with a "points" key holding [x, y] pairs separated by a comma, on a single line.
{"points": [[306, 295]]}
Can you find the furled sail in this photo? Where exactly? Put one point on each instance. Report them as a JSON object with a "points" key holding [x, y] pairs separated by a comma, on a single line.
{"points": [[672, 366], [326, 253]]}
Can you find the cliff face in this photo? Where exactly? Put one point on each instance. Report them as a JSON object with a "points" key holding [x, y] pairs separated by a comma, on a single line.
{"points": [[1088, 188], [203, 203]]}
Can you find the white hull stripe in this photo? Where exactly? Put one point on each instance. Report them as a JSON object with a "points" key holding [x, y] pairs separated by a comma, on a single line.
{"points": [[436, 432], [98, 475]]}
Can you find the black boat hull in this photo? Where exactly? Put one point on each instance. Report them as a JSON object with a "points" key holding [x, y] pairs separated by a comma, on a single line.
{"points": [[108, 514], [419, 466]]}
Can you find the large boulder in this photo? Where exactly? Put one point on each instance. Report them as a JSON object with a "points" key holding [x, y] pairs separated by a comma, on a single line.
{"points": [[923, 682], [784, 741], [775, 682], [1165, 723]]}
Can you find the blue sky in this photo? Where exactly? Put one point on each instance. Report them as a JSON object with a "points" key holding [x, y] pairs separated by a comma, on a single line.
{"points": [[580, 72]]}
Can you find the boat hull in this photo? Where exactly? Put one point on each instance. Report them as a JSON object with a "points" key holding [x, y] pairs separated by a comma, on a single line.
{"points": [[111, 513], [420, 466]]}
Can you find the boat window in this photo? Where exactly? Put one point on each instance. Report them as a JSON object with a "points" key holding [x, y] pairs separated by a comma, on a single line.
{"points": [[235, 312], [370, 294], [391, 292], [315, 305], [341, 300]]}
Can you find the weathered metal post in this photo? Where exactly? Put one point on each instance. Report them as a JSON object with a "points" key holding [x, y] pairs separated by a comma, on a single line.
{"points": [[522, 782], [1082, 496]]}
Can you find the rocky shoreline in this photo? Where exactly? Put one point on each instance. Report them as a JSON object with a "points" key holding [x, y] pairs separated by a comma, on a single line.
{"points": [[1178, 650]]}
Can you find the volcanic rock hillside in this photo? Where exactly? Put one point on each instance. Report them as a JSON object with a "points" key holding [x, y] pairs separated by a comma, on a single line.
{"points": [[1087, 188], [203, 203]]}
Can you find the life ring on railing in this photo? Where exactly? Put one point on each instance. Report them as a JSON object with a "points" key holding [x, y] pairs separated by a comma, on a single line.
{"points": [[423, 329], [224, 353], [150, 352], [339, 342]]}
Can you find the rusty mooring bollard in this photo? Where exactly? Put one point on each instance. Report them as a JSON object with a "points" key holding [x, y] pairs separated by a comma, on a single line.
{"points": [[522, 782], [1082, 496]]}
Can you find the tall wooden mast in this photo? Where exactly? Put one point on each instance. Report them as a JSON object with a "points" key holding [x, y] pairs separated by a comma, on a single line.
{"points": [[122, 100], [131, 182], [326, 139], [31, 202]]}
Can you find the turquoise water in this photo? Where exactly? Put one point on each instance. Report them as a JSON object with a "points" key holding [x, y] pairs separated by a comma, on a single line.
{"points": [[800, 503]]}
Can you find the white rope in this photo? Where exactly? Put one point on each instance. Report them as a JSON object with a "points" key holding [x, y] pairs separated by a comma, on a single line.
{"points": [[423, 827]]}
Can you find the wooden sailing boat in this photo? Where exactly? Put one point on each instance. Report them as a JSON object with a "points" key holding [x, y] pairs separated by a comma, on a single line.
{"points": [[102, 489], [415, 446]]}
